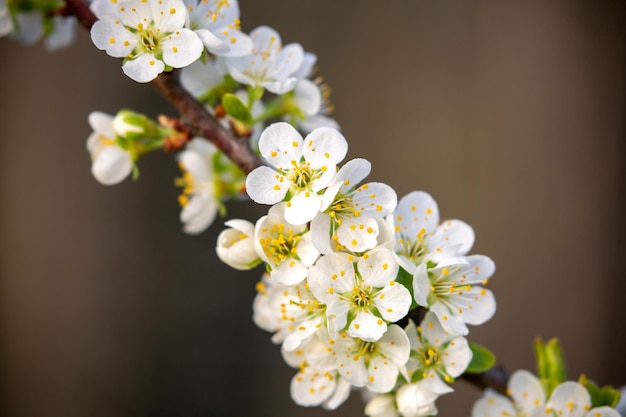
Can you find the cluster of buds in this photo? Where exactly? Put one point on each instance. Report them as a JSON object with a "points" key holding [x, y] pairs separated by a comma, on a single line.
{"points": [[345, 263]]}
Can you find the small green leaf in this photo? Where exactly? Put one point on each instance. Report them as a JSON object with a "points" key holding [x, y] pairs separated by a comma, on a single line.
{"points": [[482, 359], [606, 395], [406, 279], [236, 109]]}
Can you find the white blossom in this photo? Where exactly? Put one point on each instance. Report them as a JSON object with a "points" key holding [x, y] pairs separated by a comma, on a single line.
{"points": [[571, 399], [526, 394], [416, 400], [111, 163], [286, 248], [298, 169], [150, 35], [317, 382], [269, 65], [437, 357], [381, 405], [235, 246], [199, 199], [217, 24], [351, 214], [360, 294], [419, 236], [454, 291], [374, 365]]}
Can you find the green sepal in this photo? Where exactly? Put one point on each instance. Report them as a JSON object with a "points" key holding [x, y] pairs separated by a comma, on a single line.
{"points": [[482, 359], [236, 109], [214, 95], [135, 172], [605, 396]]}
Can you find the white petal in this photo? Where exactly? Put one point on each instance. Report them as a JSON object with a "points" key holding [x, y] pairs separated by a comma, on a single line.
{"points": [[416, 211], [375, 199], [325, 147], [341, 395], [354, 371], [320, 233], [308, 97], [353, 172], [182, 49], [198, 214], [289, 272], [382, 375], [603, 412], [358, 234], [287, 61], [378, 268], [492, 404], [381, 405], [454, 236], [306, 68], [458, 356], [310, 388], [169, 15], [238, 44], [112, 165], [110, 35], [263, 185], [212, 42], [143, 68], [306, 251], [526, 390], [102, 123], [415, 400], [569, 399], [452, 322], [303, 207], [63, 34], [280, 144], [281, 86], [393, 302], [395, 344], [367, 326]]}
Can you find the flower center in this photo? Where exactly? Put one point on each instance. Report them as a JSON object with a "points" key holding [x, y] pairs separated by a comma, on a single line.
{"points": [[280, 244], [415, 250], [302, 175], [148, 37], [360, 297]]}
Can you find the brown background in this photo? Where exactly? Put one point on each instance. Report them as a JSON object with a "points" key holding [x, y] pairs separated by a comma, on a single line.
{"points": [[511, 113]]}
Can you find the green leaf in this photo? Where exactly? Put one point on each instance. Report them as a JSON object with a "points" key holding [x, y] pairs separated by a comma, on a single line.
{"points": [[550, 364], [482, 359], [406, 279], [606, 395], [236, 109]]}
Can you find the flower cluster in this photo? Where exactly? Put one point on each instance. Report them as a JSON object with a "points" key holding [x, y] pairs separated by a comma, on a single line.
{"points": [[347, 264], [527, 397], [30, 21]]}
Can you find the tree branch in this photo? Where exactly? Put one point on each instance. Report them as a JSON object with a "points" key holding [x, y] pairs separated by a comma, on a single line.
{"points": [[200, 123], [195, 117]]}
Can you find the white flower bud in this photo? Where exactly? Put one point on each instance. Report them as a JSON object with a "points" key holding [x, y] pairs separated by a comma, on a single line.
{"points": [[235, 246], [414, 400]]}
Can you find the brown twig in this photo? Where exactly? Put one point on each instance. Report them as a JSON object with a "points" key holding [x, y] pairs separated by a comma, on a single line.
{"points": [[194, 116]]}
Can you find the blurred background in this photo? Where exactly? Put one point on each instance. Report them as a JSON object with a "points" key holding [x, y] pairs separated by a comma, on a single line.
{"points": [[510, 113]]}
